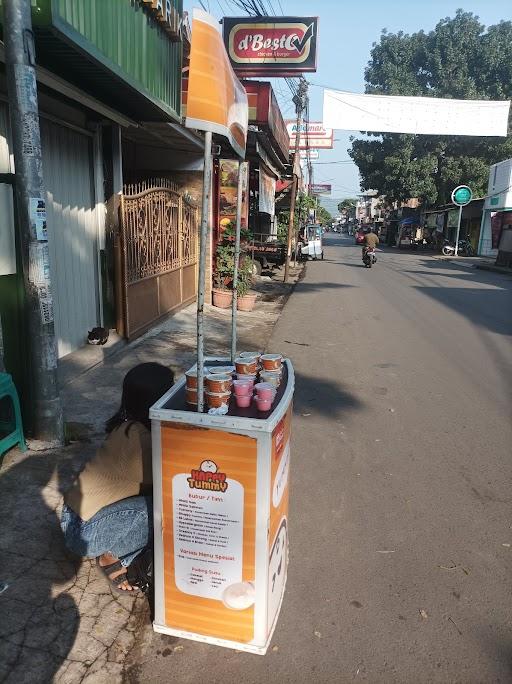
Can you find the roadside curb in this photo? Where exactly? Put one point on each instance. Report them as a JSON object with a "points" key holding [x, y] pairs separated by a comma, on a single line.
{"points": [[482, 266], [457, 261], [494, 268]]}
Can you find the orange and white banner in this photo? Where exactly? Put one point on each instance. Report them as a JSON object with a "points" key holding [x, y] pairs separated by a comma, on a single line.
{"points": [[216, 100]]}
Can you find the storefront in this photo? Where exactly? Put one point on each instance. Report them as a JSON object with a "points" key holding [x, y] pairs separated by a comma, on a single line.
{"points": [[441, 223], [267, 155], [268, 152], [110, 104], [497, 213]]}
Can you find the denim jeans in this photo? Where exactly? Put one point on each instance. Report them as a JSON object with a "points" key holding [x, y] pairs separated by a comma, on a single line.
{"points": [[123, 529]]}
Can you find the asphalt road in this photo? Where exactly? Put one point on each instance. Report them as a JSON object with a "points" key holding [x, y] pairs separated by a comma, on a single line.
{"points": [[401, 517]]}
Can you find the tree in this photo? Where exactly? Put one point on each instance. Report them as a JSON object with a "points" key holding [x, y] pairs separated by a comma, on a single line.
{"points": [[347, 205], [458, 59], [323, 215]]}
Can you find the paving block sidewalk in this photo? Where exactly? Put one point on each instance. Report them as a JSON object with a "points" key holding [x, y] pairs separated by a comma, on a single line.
{"points": [[482, 263], [59, 620]]}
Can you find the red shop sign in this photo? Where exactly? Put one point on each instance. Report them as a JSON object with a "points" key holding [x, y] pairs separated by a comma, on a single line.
{"points": [[273, 46]]}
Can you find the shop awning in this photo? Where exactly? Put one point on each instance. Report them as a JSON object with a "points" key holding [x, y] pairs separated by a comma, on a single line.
{"points": [[264, 113]]}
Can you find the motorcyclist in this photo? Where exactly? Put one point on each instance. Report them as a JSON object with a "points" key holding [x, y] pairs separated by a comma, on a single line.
{"points": [[371, 241]]}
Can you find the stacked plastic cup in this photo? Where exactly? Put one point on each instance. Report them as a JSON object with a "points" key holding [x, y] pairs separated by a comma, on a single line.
{"points": [[265, 394], [243, 388]]}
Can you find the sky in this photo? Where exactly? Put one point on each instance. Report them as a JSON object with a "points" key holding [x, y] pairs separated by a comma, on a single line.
{"points": [[347, 30]]}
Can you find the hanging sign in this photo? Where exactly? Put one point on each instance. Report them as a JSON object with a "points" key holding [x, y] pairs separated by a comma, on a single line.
{"points": [[313, 135], [320, 188], [216, 100], [271, 46], [309, 154], [267, 192]]}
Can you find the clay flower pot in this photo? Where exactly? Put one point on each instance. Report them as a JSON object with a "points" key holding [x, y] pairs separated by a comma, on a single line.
{"points": [[222, 298], [247, 302]]}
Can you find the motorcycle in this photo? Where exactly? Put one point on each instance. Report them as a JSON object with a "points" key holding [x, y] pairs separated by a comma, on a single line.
{"points": [[369, 258], [465, 248]]}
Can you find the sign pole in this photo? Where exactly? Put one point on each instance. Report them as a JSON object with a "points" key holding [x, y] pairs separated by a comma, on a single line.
{"points": [[299, 102], [203, 236], [20, 63], [297, 233], [461, 196], [239, 196], [458, 232]]}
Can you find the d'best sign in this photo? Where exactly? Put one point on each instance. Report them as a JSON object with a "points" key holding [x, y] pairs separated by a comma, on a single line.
{"points": [[271, 46]]}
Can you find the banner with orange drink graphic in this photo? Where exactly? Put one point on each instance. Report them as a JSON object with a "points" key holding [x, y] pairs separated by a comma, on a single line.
{"points": [[216, 100]]}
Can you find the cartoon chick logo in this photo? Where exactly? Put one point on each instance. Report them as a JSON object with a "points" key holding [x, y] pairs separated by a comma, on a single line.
{"points": [[208, 477]]}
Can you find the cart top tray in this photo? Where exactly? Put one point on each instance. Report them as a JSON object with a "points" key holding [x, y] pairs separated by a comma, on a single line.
{"points": [[173, 406]]}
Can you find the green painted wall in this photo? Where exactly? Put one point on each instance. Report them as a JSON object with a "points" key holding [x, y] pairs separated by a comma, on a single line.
{"points": [[15, 358], [123, 37]]}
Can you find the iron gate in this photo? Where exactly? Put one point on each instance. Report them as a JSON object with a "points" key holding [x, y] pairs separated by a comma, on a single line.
{"points": [[159, 250]]}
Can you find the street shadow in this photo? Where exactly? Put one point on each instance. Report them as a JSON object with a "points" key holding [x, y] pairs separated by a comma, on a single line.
{"points": [[487, 308], [350, 264], [328, 398], [499, 280], [313, 287], [388, 249], [459, 270], [39, 618]]}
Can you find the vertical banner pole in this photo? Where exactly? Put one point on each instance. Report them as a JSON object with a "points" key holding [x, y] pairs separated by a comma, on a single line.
{"points": [[458, 232], [203, 236], [239, 197]]}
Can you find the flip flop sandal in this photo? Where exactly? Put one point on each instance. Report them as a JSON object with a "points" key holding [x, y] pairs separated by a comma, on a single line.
{"points": [[114, 582]]}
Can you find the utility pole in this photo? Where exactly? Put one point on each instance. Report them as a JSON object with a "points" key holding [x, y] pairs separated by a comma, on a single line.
{"points": [[47, 421], [299, 101]]}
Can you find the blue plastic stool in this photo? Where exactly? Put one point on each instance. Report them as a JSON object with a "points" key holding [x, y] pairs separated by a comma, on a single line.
{"points": [[7, 389]]}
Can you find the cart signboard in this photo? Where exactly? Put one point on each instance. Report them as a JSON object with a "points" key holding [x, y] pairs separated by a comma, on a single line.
{"points": [[209, 494]]}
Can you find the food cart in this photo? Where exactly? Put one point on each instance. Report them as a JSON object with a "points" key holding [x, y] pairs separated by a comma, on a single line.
{"points": [[220, 474], [221, 518], [312, 246]]}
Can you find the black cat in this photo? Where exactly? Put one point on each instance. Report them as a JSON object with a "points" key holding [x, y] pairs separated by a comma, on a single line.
{"points": [[97, 336]]}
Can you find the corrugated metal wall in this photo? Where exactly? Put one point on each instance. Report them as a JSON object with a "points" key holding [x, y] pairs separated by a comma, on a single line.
{"points": [[72, 231], [130, 40]]}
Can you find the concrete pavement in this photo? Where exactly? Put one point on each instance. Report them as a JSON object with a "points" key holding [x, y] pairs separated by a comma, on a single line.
{"points": [[59, 621], [401, 527]]}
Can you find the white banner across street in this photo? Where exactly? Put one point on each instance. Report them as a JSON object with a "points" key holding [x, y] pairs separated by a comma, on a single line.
{"points": [[417, 115]]}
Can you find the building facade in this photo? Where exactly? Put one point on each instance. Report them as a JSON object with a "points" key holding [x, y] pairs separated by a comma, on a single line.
{"points": [[122, 174]]}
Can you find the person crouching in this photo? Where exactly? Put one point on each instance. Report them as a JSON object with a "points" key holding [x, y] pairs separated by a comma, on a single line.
{"points": [[108, 512]]}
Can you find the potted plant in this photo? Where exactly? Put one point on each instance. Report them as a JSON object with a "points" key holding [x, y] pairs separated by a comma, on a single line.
{"points": [[222, 294], [246, 300]]}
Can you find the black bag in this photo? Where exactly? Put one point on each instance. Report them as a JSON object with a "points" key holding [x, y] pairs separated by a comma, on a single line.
{"points": [[140, 571]]}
